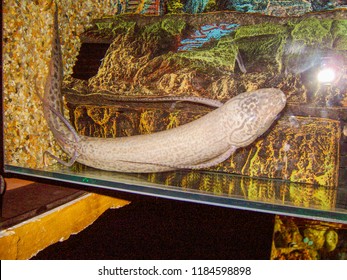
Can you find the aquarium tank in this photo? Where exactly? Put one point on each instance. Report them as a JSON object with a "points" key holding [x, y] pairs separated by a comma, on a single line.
{"points": [[240, 104]]}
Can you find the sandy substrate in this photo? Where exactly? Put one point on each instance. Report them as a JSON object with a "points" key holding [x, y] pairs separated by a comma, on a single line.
{"points": [[27, 34]]}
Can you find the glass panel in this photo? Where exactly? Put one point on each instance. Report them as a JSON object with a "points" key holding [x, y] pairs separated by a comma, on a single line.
{"points": [[265, 195], [251, 96]]}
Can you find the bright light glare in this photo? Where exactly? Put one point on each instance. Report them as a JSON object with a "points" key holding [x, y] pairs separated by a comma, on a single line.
{"points": [[326, 75]]}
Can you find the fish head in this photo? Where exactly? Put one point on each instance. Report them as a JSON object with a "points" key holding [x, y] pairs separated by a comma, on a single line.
{"points": [[250, 114]]}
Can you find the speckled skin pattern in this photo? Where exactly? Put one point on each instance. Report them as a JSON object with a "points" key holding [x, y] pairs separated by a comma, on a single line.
{"points": [[52, 99], [198, 144]]}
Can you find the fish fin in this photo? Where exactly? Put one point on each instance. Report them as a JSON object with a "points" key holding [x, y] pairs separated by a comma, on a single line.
{"points": [[67, 164], [176, 99], [47, 106], [64, 120], [224, 156], [193, 99]]}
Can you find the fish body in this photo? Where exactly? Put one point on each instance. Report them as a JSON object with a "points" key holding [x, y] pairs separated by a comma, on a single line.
{"points": [[198, 144]]}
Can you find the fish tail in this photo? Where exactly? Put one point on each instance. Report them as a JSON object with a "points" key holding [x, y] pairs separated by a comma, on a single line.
{"points": [[52, 100]]}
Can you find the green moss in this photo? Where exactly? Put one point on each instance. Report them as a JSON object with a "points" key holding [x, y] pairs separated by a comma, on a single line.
{"points": [[104, 25], [259, 30], [123, 27], [339, 34], [211, 6], [264, 50], [263, 44], [222, 56], [108, 28], [116, 26], [158, 37], [173, 26], [312, 31], [151, 30], [167, 27], [174, 7], [338, 28], [340, 43]]}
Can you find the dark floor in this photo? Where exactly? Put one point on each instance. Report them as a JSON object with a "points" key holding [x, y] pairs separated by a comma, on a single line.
{"points": [[151, 228], [25, 202]]}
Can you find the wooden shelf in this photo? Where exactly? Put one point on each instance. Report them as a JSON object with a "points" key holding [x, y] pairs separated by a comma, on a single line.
{"points": [[37, 215]]}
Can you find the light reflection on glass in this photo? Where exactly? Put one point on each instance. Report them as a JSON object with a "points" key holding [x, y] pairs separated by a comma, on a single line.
{"points": [[326, 75]]}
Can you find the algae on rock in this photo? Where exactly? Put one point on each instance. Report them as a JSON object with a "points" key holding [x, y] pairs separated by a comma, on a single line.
{"points": [[221, 56], [312, 31]]}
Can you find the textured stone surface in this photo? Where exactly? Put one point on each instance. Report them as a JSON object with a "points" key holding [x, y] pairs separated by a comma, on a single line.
{"points": [[304, 239], [285, 53], [299, 149], [279, 8]]}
